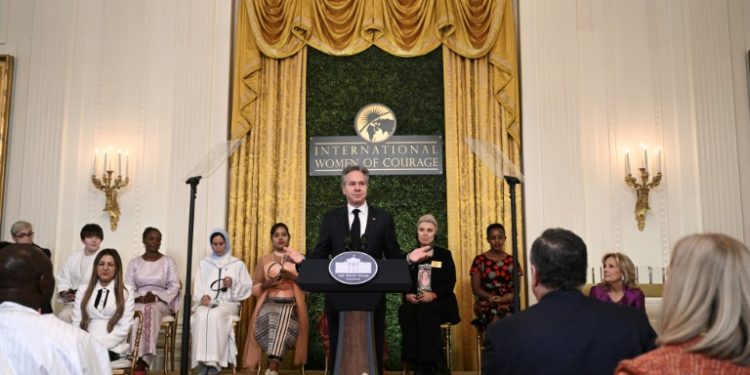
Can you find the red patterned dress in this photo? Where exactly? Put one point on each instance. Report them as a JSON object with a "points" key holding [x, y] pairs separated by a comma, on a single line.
{"points": [[496, 278]]}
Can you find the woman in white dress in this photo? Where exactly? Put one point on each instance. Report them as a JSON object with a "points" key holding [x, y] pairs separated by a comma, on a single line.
{"points": [[220, 285], [104, 307], [156, 286]]}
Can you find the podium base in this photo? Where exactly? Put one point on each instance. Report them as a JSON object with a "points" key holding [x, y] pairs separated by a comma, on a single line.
{"points": [[355, 352]]}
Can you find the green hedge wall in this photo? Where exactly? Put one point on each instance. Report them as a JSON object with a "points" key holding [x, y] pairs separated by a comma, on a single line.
{"points": [[337, 87]]}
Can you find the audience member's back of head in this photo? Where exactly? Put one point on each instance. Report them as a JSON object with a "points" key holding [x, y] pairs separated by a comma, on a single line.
{"points": [[25, 275], [560, 259], [708, 294]]}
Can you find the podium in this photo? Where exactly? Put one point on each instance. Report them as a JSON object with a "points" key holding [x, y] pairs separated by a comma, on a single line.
{"points": [[355, 351]]}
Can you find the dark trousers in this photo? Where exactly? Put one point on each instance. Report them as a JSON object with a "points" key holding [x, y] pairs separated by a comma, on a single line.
{"points": [[378, 317]]}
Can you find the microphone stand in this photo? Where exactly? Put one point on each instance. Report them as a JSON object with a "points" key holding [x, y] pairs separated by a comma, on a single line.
{"points": [[187, 302], [512, 182]]}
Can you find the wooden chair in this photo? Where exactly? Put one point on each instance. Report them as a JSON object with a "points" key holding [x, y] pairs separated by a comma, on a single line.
{"points": [[127, 366], [169, 328], [480, 350]]}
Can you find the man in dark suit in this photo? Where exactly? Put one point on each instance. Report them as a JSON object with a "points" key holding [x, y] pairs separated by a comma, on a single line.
{"points": [[375, 235], [565, 333]]}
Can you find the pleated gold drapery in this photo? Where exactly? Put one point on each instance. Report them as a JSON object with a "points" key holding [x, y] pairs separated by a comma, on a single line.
{"points": [[267, 178]]}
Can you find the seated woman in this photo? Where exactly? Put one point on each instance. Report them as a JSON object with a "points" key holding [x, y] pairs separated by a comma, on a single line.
{"points": [[104, 307], [428, 304], [492, 280], [618, 284], [220, 285], [279, 322], [705, 311], [156, 286]]}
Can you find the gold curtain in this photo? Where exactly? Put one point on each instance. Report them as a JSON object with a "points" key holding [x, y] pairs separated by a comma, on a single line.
{"points": [[267, 180]]}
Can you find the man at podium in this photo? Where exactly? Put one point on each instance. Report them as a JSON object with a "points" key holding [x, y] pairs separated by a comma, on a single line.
{"points": [[359, 227]]}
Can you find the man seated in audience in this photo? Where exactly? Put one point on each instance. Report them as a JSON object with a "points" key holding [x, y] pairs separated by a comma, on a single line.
{"points": [[566, 332], [22, 232], [77, 269], [31, 343]]}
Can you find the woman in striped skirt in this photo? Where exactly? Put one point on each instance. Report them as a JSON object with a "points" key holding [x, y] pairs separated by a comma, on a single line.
{"points": [[279, 322]]}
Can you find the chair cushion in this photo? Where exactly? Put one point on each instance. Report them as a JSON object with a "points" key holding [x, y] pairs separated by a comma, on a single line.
{"points": [[120, 363]]}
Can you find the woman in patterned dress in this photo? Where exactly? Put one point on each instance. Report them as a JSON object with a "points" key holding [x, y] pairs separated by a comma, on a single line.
{"points": [[492, 280], [279, 322], [153, 278]]}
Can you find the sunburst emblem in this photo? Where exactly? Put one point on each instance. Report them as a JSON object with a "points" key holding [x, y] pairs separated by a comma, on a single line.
{"points": [[375, 123]]}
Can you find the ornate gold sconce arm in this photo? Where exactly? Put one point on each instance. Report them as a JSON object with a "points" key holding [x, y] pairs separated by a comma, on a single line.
{"points": [[642, 190], [110, 187]]}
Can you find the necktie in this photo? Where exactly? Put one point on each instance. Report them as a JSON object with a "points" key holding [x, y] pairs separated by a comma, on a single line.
{"points": [[99, 297], [356, 231]]}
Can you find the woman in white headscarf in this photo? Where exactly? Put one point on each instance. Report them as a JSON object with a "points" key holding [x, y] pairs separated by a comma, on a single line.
{"points": [[220, 285]]}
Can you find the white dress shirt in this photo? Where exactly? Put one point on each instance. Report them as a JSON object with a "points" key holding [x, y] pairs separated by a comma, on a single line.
{"points": [[31, 343], [100, 314], [363, 209]]}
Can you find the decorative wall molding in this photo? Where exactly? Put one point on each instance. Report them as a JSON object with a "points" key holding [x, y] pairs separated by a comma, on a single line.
{"points": [[658, 72], [4, 20], [716, 125]]}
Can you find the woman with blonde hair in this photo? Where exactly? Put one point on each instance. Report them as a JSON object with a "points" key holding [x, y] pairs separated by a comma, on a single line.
{"points": [[429, 303], [618, 284], [705, 313]]}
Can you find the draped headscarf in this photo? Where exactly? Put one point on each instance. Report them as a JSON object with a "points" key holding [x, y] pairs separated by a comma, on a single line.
{"points": [[224, 259]]}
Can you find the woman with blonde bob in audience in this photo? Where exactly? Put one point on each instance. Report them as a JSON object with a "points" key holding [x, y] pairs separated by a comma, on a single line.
{"points": [[705, 319], [618, 284]]}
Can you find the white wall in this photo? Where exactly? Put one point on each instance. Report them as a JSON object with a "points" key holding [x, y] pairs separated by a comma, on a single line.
{"points": [[600, 76], [150, 77]]}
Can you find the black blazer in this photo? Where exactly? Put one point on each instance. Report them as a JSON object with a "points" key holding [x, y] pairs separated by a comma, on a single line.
{"points": [[380, 232], [567, 333]]}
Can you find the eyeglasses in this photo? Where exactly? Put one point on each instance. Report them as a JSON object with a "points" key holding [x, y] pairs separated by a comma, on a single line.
{"points": [[24, 234]]}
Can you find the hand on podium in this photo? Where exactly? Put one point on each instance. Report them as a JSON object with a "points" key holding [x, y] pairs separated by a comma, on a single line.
{"points": [[419, 254]]}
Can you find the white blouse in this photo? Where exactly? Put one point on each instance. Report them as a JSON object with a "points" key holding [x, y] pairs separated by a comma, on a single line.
{"points": [[100, 310]]}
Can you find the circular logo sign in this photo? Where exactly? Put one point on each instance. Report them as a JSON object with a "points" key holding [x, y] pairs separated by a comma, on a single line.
{"points": [[375, 123], [353, 268]]}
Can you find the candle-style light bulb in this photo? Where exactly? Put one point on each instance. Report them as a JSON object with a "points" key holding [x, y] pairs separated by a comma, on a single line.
{"points": [[96, 155], [127, 165], [658, 160], [645, 156], [119, 162], [627, 162]]}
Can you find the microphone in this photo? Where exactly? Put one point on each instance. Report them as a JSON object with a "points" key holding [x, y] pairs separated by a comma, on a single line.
{"points": [[348, 244]]}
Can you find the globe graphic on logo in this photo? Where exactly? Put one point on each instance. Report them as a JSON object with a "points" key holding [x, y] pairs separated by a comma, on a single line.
{"points": [[375, 123]]}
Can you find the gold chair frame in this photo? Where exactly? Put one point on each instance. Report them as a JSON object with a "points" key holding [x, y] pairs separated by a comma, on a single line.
{"points": [[134, 354]]}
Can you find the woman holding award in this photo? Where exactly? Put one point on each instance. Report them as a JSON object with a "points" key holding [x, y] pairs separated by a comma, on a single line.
{"points": [[428, 304], [279, 322]]}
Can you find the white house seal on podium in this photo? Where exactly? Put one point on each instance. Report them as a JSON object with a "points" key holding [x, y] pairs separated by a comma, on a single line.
{"points": [[353, 268]]}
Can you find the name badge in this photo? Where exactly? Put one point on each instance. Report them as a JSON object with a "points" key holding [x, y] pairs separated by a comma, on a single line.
{"points": [[437, 264]]}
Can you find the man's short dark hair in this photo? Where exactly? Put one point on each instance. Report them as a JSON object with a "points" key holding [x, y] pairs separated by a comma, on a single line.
{"points": [[560, 258], [92, 230], [353, 168]]}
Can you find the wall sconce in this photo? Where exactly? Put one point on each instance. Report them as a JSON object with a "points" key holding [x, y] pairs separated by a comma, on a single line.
{"points": [[108, 185], [644, 187]]}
